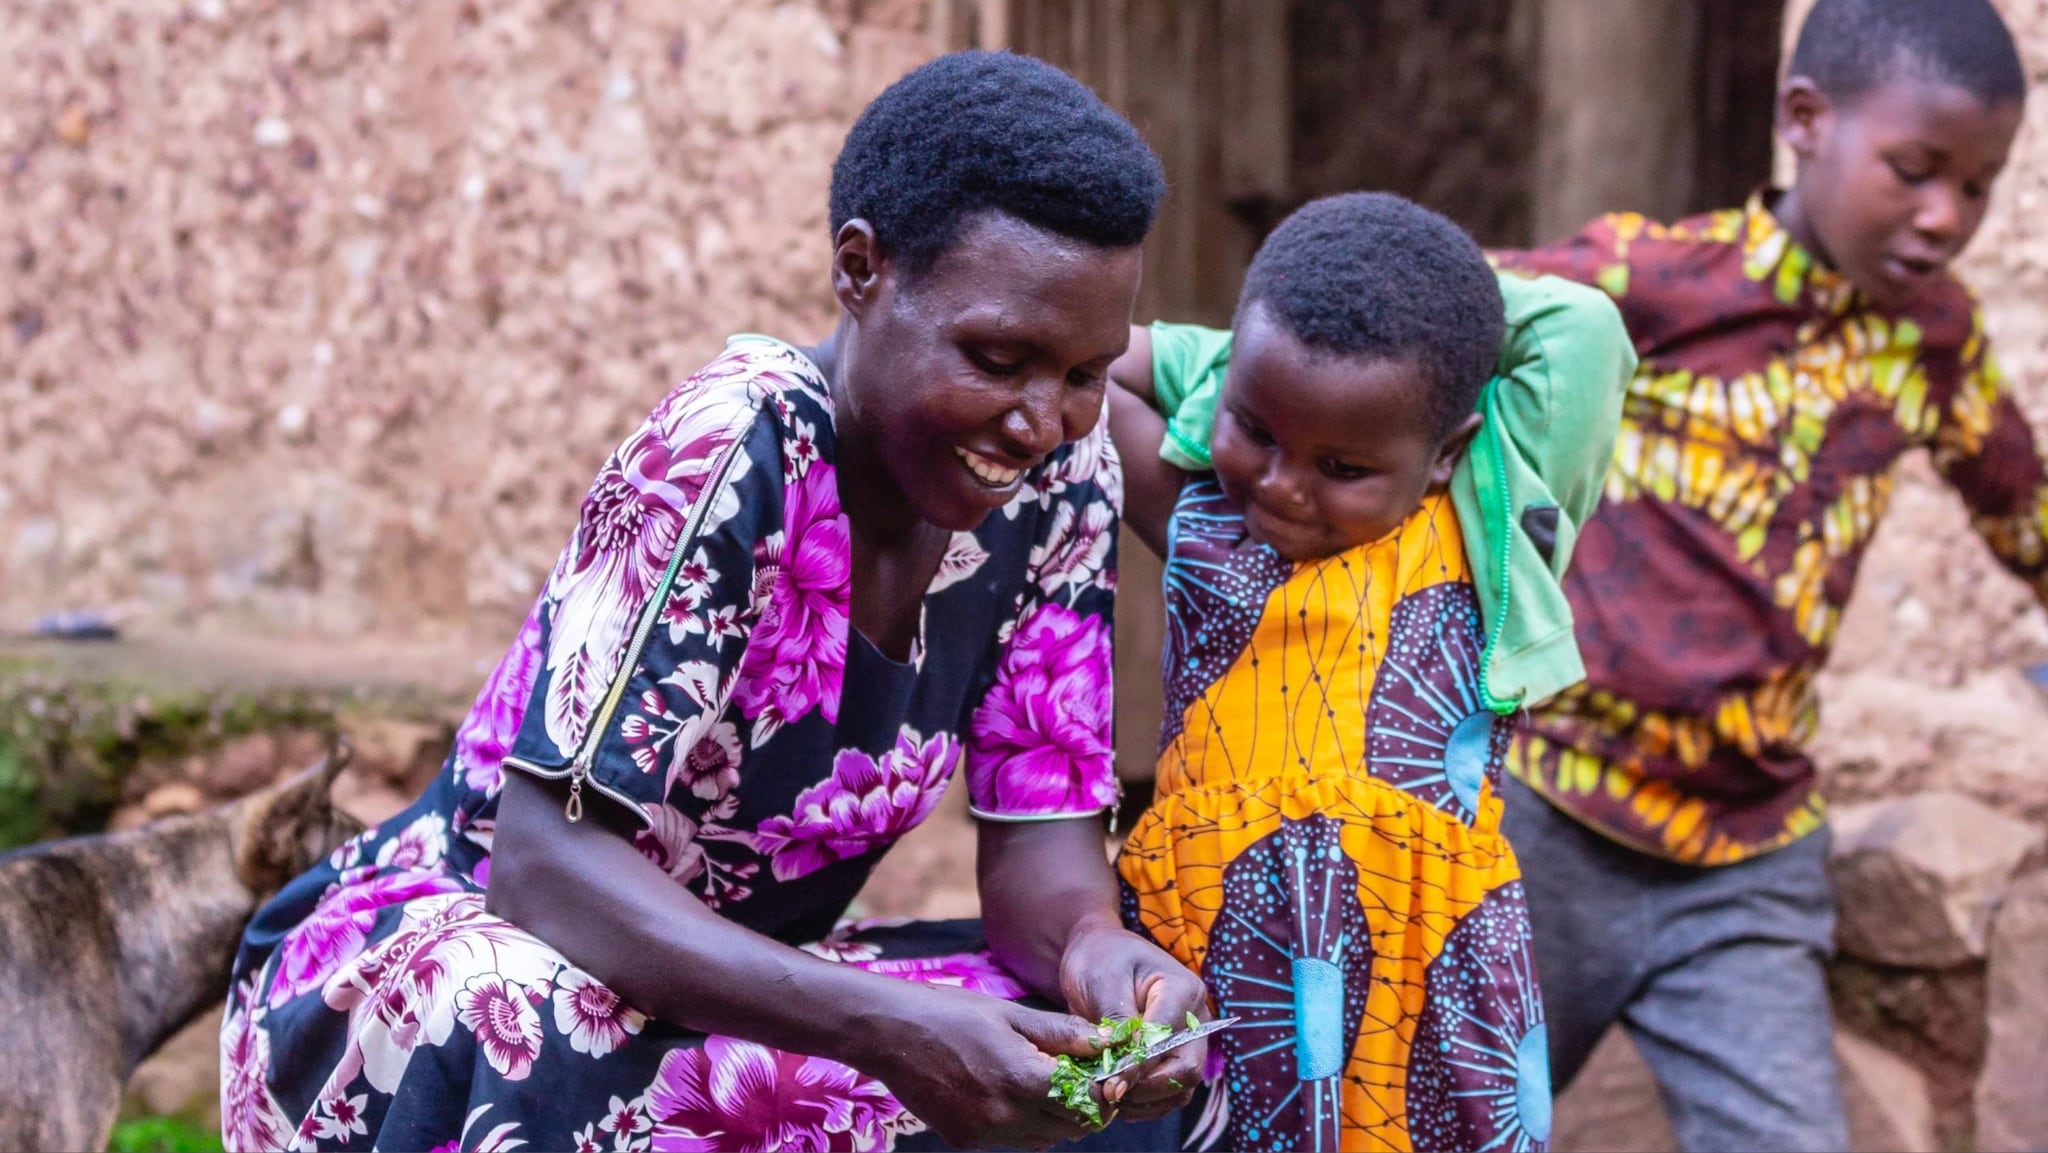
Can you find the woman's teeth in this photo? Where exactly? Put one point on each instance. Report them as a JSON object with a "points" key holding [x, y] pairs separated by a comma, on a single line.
{"points": [[991, 473]]}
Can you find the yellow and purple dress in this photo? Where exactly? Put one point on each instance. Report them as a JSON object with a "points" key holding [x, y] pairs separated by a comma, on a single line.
{"points": [[1325, 845]]}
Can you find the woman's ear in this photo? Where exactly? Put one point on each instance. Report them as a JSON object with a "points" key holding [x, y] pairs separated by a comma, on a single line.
{"points": [[1802, 110], [857, 266], [1453, 450]]}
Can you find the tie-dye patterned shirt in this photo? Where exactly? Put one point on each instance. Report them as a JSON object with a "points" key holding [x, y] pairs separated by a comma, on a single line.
{"points": [[1754, 463]]}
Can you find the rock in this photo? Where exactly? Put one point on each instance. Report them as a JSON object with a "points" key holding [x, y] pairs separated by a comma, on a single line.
{"points": [[1614, 1106], [1888, 1101], [182, 1078], [2012, 1092], [404, 752], [239, 767], [175, 797], [1916, 877], [1936, 1017]]}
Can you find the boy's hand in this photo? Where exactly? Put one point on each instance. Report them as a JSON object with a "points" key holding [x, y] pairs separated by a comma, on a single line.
{"points": [[1108, 971]]}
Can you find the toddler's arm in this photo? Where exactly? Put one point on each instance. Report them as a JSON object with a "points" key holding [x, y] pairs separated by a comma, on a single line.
{"points": [[1151, 484]]}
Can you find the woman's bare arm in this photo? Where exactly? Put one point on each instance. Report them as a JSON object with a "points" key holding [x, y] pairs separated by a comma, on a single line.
{"points": [[973, 1067]]}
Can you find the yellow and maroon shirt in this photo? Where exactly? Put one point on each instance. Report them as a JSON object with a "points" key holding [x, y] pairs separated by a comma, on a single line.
{"points": [[1755, 460]]}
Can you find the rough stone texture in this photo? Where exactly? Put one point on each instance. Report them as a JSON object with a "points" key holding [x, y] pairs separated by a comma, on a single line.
{"points": [[1886, 1098], [1916, 877], [2012, 1094], [1613, 1105], [1932, 1018], [319, 318]]}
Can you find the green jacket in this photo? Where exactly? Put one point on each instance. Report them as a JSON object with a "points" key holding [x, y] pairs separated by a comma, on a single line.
{"points": [[1530, 479]]}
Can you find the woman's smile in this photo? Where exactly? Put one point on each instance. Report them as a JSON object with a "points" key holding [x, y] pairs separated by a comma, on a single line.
{"points": [[992, 473]]}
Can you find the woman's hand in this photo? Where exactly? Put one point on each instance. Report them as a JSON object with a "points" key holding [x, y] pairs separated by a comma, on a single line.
{"points": [[975, 1068], [1108, 971]]}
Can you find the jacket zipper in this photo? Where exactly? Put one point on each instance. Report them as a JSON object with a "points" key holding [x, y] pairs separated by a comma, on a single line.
{"points": [[579, 768], [1506, 541]]}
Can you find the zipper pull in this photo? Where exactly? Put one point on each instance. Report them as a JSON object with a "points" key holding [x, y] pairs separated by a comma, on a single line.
{"points": [[574, 809]]}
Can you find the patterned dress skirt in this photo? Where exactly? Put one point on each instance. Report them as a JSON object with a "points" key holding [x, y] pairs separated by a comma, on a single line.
{"points": [[1325, 847]]}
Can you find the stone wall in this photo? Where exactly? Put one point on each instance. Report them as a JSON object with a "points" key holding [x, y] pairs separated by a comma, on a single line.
{"points": [[321, 316]]}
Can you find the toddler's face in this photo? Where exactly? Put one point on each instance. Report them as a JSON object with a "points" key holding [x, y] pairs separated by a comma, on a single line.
{"points": [[1324, 452]]}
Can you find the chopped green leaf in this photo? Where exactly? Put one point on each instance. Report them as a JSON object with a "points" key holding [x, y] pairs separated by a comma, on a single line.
{"points": [[1124, 1037], [1193, 1021]]}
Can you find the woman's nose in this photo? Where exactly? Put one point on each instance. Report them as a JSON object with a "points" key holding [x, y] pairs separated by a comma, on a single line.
{"points": [[1033, 423]]}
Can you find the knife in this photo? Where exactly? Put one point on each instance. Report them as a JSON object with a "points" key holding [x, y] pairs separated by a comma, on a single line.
{"points": [[1165, 1045]]}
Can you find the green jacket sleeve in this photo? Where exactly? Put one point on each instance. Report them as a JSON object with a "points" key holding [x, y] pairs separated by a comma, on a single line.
{"points": [[1188, 362], [1563, 368], [1533, 475]]}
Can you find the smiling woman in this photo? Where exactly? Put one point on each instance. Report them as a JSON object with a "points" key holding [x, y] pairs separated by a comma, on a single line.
{"points": [[811, 584]]}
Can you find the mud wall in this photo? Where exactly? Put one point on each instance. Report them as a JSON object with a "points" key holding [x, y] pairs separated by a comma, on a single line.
{"points": [[319, 317]]}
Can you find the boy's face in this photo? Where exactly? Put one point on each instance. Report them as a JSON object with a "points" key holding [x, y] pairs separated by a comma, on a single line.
{"points": [[1324, 452], [1893, 183]]}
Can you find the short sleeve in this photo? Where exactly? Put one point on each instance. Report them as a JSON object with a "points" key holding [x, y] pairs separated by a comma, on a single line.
{"points": [[646, 620], [1188, 366], [1040, 741]]}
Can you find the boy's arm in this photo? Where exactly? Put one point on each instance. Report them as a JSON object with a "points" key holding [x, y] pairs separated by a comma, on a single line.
{"points": [[1564, 367], [1987, 452]]}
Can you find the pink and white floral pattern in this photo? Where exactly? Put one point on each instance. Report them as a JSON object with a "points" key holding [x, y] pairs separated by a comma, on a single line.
{"points": [[502, 1016], [250, 1117], [737, 1095], [340, 924], [487, 733], [1041, 741], [758, 748], [797, 651], [974, 972], [591, 1015], [866, 804], [632, 521]]}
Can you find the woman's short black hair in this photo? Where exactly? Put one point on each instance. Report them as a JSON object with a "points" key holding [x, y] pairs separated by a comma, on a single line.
{"points": [[1849, 47], [1371, 276], [973, 132]]}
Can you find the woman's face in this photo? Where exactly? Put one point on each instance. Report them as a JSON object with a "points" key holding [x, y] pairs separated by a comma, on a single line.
{"points": [[959, 379]]}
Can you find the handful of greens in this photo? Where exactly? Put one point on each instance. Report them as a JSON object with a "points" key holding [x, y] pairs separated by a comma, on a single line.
{"points": [[1128, 1037]]}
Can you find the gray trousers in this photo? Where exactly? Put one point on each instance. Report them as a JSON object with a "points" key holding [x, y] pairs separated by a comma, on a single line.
{"points": [[1716, 973]]}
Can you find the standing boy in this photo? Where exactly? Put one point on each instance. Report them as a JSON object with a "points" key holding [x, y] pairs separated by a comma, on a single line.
{"points": [[1791, 351]]}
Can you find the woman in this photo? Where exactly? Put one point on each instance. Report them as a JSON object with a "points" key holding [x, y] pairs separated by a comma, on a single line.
{"points": [[786, 614]]}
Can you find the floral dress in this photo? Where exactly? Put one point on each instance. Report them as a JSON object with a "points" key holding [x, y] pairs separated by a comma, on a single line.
{"points": [[1325, 847], [690, 659]]}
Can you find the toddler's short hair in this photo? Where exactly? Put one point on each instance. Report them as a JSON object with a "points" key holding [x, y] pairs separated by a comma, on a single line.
{"points": [[1372, 276]]}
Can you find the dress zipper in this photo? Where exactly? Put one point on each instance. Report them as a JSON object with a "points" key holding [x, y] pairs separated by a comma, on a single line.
{"points": [[579, 769]]}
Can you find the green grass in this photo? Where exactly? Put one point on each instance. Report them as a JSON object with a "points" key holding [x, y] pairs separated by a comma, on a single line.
{"points": [[163, 1135]]}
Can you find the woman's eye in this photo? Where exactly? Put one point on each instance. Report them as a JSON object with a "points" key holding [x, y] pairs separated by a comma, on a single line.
{"points": [[994, 365], [1081, 378]]}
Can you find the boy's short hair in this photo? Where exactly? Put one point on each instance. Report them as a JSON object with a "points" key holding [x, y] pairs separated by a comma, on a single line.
{"points": [[1849, 47], [1372, 276], [972, 132]]}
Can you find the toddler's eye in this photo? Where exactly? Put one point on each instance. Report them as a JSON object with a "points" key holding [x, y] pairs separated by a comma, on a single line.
{"points": [[1338, 470]]}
